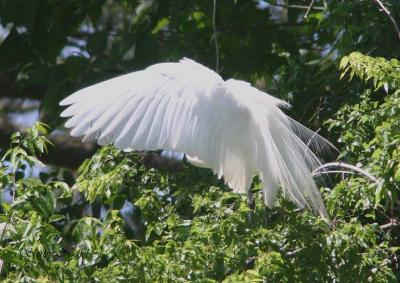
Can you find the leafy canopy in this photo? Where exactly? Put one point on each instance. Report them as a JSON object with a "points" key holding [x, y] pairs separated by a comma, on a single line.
{"points": [[183, 224]]}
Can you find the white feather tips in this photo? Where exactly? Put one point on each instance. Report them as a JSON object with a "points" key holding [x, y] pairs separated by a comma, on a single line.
{"points": [[230, 127]]}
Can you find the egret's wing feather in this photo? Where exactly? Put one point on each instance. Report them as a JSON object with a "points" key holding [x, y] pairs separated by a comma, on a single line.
{"points": [[314, 141], [282, 157], [231, 127], [173, 106]]}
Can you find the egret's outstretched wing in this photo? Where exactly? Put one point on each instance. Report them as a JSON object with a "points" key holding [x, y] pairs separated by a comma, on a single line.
{"points": [[282, 158], [174, 106], [232, 127]]}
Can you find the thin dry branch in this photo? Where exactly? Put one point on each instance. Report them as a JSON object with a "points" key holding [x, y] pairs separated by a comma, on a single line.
{"points": [[361, 171], [214, 16], [334, 172], [302, 7], [387, 12], [393, 223], [309, 9]]}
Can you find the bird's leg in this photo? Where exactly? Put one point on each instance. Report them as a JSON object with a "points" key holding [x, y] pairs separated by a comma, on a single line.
{"points": [[251, 203]]}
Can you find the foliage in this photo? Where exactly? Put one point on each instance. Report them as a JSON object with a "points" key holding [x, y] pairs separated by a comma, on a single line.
{"points": [[183, 225], [119, 219], [55, 47], [381, 71], [370, 129]]}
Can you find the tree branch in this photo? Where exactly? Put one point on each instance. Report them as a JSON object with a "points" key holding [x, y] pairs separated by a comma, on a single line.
{"points": [[309, 9], [68, 152], [387, 12], [302, 7], [346, 166], [8, 89], [215, 35], [393, 223]]}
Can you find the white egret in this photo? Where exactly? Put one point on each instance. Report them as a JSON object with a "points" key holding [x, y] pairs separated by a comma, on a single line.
{"points": [[229, 126]]}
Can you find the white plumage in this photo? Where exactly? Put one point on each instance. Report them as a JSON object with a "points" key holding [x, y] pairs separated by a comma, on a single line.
{"points": [[228, 126]]}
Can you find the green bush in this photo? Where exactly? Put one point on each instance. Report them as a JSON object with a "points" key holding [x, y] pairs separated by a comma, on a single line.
{"points": [[185, 225]]}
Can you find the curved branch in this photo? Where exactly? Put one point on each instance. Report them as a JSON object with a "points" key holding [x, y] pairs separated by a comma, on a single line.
{"points": [[362, 172], [393, 223], [334, 172]]}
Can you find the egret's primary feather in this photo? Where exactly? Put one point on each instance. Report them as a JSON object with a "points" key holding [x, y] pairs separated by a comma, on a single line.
{"points": [[228, 126]]}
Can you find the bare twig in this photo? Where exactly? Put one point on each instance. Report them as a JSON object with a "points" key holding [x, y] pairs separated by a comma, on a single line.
{"points": [[215, 36], [302, 7], [333, 172], [387, 12], [309, 9], [391, 224], [362, 172], [313, 136]]}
